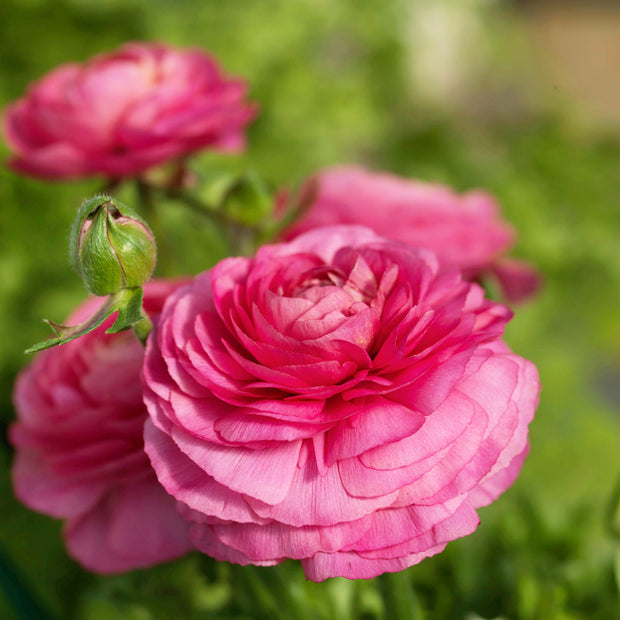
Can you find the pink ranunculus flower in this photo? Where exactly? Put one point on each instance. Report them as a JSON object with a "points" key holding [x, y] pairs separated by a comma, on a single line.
{"points": [[123, 112], [336, 399], [80, 450], [464, 230]]}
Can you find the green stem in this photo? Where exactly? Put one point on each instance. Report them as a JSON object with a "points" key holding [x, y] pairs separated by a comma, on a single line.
{"points": [[256, 596], [399, 599], [143, 328], [17, 593], [268, 593], [146, 198], [196, 205], [111, 187], [282, 584], [240, 237]]}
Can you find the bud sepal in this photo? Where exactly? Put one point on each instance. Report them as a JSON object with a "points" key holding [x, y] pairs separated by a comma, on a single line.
{"points": [[127, 302], [111, 247]]}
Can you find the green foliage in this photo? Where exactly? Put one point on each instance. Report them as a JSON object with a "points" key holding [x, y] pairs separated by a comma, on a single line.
{"points": [[333, 85]]}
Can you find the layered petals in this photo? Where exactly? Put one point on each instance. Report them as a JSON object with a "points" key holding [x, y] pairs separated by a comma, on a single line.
{"points": [[123, 112], [341, 399], [80, 449], [464, 230]]}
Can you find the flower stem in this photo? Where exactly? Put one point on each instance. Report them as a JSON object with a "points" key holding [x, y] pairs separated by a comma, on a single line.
{"points": [[146, 198], [240, 236], [18, 594], [279, 581], [268, 590], [143, 328], [399, 599]]}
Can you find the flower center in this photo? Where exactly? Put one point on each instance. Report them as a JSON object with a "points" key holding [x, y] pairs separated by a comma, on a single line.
{"points": [[324, 275]]}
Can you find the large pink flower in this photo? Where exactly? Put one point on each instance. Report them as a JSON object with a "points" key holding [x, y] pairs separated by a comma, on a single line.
{"points": [[335, 399], [464, 231], [80, 451], [123, 112]]}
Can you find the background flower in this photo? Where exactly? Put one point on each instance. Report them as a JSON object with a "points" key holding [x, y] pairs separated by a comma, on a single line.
{"points": [[79, 448], [123, 112], [336, 399], [464, 230]]}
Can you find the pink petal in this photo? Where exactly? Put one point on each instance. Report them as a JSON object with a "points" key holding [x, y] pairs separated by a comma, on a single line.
{"points": [[204, 540], [265, 474], [440, 430], [378, 422], [351, 565], [276, 540], [137, 526], [462, 522], [518, 279], [58, 496], [189, 484], [319, 499]]}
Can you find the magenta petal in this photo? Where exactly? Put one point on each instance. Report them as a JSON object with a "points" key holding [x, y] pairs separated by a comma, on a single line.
{"points": [[421, 479], [123, 112], [379, 421], [462, 522], [59, 496], [506, 434], [245, 427], [464, 230], [518, 279], [261, 474], [319, 499], [205, 540], [116, 537], [440, 430], [496, 483], [513, 451], [351, 565], [184, 480], [432, 388], [391, 527], [342, 399], [446, 472], [276, 540], [326, 242]]}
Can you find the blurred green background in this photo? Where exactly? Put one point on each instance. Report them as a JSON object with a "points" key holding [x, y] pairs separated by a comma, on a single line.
{"points": [[472, 93]]}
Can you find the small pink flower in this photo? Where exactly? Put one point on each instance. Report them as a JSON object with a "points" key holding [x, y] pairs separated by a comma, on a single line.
{"points": [[80, 452], [464, 231], [336, 399], [123, 112]]}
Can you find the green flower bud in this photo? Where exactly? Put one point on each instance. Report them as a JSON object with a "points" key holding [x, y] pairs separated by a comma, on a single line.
{"points": [[112, 248]]}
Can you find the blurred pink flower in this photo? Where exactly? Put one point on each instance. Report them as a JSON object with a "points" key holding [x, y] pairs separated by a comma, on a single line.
{"points": [[464, 231], [123, 112], [337, 400], [80, 450]]}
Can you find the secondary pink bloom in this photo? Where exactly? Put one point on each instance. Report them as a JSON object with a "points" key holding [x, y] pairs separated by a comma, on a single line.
{"points": [[464, 230], [123, 112], [336, 399], [80, 450]]}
